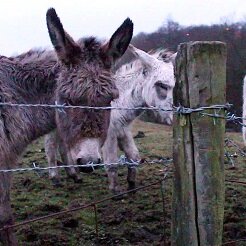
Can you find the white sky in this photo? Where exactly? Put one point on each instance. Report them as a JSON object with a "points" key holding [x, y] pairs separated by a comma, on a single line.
{"points": [[23, 25]]}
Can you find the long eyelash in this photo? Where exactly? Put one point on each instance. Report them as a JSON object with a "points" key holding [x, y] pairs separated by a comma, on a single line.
{"points": [[163, 86]]}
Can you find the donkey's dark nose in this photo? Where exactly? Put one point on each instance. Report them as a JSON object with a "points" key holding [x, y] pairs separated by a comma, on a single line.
{"points": [[85, 168], [99, 160]]}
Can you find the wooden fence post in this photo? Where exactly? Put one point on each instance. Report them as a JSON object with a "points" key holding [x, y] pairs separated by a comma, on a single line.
{"points": [[198, 150]]}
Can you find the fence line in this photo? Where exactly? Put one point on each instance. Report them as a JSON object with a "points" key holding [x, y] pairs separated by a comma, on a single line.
{"points": [[122, 162], [178, 110]]}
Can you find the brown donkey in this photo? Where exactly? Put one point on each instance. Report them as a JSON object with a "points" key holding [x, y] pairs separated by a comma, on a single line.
{"points": [[83, 78]]}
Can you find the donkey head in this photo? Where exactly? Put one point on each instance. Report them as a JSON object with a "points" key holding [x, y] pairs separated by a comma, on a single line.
{"points": [[85, 79], [158, 80]]}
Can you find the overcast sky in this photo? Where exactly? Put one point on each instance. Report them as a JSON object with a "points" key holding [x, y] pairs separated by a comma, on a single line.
{"points": [[23, 26]]}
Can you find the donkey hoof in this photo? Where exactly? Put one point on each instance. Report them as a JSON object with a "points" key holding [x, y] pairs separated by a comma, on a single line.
{"points": [[131, 186], [118, 194], [56, 182], [77, 179]]}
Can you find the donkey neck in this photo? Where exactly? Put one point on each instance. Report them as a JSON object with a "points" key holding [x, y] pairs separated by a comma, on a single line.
{"points": [[28, 80], [28, 83], [131, 97]]}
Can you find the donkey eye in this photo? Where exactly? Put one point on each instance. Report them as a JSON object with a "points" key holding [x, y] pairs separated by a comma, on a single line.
{"points": [[160, 85], [161, 90], [145, 72]]}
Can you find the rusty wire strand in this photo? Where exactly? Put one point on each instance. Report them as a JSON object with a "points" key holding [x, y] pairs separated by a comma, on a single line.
{"points": [[6, 228], [232, 242]]}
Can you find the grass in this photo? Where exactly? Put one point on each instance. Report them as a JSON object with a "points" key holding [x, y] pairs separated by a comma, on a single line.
{"points": [[137, 219]]}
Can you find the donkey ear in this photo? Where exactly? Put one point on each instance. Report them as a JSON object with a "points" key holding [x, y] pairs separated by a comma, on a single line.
{"points": [[143, 56], [67, 50], [173, 58], [119, 41]]}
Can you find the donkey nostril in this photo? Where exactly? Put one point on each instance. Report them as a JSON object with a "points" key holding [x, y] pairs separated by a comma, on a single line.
{"points": [[99, 160], [78, 161]]}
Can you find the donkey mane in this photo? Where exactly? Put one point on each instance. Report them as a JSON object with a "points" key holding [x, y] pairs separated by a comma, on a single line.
{"points": [[162, 54], [136, 65], [36, 55], [90, 45], [37, 75], [42, 63]]}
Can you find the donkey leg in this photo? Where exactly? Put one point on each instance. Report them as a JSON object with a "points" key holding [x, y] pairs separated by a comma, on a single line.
{"points": [[50, 145], [127, 144], [7, 237], [109, 151], [67, 160]]}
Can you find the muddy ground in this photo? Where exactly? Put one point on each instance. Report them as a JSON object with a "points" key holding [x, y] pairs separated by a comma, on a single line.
{"points": [[142, 218]]}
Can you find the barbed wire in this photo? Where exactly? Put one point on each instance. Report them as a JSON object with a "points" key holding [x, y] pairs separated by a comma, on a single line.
{"points": [[175, 109], [240, 150], [180, 109], [65, 106], [123, 161]]}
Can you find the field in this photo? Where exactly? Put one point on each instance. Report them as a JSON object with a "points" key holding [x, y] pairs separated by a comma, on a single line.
{"points": [[142, 218]]}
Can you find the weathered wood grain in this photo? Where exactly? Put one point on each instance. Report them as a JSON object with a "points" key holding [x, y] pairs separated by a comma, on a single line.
{"points": [[198, 200]]}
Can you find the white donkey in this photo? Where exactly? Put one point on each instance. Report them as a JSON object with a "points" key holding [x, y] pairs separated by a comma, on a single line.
{"points": [[148, 81], [244, 110]]}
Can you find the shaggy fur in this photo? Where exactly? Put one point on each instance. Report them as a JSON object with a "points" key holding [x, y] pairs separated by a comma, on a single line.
{"points": [[81, 76], [148, 81]]}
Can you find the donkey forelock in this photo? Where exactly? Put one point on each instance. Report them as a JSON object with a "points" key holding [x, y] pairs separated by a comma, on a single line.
{"points": [[36, 55]]}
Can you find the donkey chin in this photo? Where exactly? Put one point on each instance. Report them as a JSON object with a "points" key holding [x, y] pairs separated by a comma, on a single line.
{"points": [[169, 121], [86, 152], [164, 118]]}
